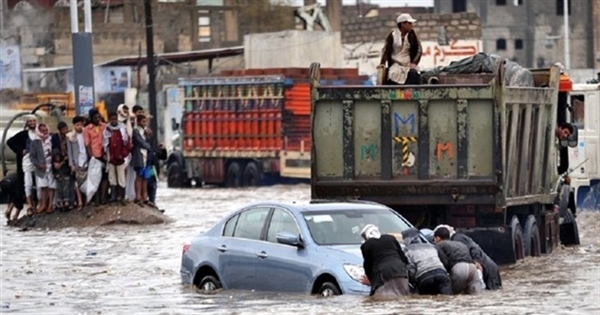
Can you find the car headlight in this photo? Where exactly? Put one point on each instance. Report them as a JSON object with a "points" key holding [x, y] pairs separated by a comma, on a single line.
{"points": [[354, 271]]}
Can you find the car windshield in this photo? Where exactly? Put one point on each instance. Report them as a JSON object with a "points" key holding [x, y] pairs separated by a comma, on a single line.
{"points": [[343, 227]]}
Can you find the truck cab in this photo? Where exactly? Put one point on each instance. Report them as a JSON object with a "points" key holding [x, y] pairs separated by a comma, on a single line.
{"points": [[585, 116]]}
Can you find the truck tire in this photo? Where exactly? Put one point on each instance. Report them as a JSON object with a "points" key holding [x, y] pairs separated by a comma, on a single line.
{"points": [[531, 236], [569, 232], [174, 176], [233, 177], [251, 175], [517, 238]]}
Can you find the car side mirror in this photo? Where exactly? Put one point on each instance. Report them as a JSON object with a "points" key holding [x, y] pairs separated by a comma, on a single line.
{"points": [[288, 238]]}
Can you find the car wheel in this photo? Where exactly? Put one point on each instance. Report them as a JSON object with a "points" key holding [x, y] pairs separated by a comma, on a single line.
{"points": [[329, 289], [209, 284]]}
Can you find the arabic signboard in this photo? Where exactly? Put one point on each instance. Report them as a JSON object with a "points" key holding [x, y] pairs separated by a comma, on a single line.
{"points": [[10, 67], [366, 56]]}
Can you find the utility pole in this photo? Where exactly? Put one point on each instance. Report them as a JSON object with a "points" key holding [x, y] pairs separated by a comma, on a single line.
{"points": [[83, 59], [150, 69], [334, 14], [566, 11]]}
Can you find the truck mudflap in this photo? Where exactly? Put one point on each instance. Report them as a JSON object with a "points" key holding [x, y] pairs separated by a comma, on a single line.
{"points": [[496, 242]]}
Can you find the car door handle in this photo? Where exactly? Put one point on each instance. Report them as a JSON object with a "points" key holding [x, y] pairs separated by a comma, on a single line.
{"points": [[262, 255], [222, 248]]}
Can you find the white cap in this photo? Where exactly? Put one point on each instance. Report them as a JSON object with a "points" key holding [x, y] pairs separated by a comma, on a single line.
{"points": [[370, 231], [30, 117], [405, 17]]}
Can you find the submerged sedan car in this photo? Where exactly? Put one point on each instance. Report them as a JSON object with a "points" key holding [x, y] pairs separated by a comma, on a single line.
{"points": [[310, 248]]}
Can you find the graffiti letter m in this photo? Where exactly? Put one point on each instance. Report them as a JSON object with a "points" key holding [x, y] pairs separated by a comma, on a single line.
{"points": [[368, 152], [444, 147], [398, 120]]}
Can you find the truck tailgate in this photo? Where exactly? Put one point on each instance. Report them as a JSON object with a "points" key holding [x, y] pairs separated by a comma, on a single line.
{"points": [[419, 141]]}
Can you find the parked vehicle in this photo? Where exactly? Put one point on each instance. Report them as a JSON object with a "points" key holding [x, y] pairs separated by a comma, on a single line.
{"points": [[249, 129], [473, 152], [304, 248]]}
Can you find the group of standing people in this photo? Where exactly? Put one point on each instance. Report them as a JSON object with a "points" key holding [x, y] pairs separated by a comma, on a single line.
{"points": [[117, 157], [406, 263]]}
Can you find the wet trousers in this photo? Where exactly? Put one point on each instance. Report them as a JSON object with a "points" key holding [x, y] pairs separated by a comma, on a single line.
{"points": [[151, 183], [434, 282], [465, 279], [64, 189], [393, 287]]}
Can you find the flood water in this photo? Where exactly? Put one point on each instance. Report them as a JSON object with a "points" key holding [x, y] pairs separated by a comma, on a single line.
{"points": [[135, 270]]}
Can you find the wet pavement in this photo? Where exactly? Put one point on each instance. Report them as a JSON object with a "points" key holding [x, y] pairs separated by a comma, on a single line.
{"points": [[135, 270]]}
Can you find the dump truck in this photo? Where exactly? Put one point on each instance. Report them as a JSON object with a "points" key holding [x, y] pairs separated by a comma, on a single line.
{"points": [[247, 128], [471, 151]]}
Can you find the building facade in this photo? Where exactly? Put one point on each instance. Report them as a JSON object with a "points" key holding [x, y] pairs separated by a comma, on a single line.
{"points": [[532, 32]]}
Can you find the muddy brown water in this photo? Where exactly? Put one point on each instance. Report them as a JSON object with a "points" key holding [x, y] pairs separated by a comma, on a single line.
{"points": [[135, 270]]}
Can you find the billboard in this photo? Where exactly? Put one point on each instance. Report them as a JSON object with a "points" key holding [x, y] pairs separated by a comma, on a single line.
{"points": [[10, 67], [106, 79]]}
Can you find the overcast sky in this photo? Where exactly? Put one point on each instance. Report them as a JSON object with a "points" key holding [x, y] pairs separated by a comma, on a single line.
{"points": [[383, 3]]}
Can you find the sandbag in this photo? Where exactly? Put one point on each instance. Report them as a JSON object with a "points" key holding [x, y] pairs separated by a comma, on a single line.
{"points": [[514, 74]]}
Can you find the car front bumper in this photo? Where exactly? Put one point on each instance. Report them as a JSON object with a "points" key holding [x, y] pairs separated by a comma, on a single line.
{"points": [[354, 288], [186, 277]]}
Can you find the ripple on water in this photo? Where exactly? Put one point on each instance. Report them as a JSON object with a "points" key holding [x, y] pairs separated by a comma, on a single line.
{"points": [[135, 270]]}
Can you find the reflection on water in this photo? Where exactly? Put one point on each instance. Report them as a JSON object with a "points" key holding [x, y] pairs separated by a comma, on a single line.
{"points": [[135, 270]]}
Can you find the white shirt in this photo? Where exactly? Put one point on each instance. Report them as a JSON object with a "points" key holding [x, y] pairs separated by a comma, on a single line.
{"points": [[82, 151], [398, 72], [401, 52], [27, 164], [143, 151], [47, 145]]}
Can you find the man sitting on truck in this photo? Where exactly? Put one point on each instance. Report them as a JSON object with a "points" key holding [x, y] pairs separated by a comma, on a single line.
{"points": [[402, 53], [483, 262]]}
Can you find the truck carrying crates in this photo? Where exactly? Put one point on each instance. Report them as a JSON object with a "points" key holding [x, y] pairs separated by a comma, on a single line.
{"points": [[473, 151], [247, 128]]}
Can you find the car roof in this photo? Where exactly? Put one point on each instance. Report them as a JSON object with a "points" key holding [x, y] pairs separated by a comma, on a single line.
{"points": [[319, 206]]}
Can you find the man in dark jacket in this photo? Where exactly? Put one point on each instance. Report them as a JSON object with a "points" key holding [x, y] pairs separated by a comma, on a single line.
{"points": [[59, 139], [384, 263], [12, 188], [402, 53], [425, 270], [154, 156], [456, 258], [19, 144], [491, 273]]}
